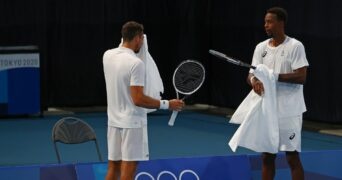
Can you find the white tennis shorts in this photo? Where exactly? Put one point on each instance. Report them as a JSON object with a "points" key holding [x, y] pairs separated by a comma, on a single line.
{"points": [[127, 144], [290, 129]]}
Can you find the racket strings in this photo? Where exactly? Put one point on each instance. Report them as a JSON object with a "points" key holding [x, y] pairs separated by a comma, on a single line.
{"points": [[189, 77]]}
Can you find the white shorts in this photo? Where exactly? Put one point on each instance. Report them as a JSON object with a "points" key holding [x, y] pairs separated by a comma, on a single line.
{"points": [[127, 144], [290, 129]]}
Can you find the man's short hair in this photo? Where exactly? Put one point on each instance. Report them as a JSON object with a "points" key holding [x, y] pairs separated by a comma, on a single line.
{"points": [[279, 12], [130, 29]]}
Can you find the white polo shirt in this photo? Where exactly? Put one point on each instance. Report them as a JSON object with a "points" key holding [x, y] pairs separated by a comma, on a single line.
{"points": [[122, 69], [285, 58]]}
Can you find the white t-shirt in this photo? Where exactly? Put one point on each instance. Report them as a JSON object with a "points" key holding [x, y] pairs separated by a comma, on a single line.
{"points": [[285, 58], [122, 69]]}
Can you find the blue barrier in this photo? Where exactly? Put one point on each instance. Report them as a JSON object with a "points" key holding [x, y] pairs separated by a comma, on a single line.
{"points": [[22, 172], [323, 165], [317, 165], [229, 167], [58, 172], [19, 80]]}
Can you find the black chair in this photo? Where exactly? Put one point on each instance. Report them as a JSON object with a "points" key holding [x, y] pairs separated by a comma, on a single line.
{"points": [[71, 130]]}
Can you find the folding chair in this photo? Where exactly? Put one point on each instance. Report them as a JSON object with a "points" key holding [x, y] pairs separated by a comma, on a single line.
{"points": [[72, 130]]}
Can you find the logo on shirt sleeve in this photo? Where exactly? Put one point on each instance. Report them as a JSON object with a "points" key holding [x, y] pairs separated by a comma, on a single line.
{"points": [[264, 54]]}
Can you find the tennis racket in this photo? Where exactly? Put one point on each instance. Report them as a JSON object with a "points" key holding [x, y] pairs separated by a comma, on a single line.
{"points": [[229, 59], [187, 79]]}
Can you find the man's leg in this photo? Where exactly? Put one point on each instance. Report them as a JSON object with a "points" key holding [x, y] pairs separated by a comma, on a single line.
{"points": [[295, 164], [113, 170], [128, 169], [268, 166]]}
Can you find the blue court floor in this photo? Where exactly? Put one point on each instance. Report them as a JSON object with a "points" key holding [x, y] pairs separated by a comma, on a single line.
{"points": [[27, 141]]}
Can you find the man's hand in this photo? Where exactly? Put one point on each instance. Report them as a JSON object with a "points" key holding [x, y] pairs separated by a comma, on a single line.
{"points": [[176, 104], [257, 85]]}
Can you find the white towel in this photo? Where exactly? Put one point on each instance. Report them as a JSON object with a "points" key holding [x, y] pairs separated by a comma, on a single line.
{"points": [[259, 129], [153, 82]]}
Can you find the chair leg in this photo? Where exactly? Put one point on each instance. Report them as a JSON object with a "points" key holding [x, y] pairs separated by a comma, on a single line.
{"points": [[57, 153], [98, 150]]}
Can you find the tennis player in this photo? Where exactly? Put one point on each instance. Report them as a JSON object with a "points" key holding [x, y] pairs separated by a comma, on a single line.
{"points": [[286, 56], [127, 119]]}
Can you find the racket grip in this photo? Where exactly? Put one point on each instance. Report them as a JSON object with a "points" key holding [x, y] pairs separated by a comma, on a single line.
{"points": [[173, 118]]}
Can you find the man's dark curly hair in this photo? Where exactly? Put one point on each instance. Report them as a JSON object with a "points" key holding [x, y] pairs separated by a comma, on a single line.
{"points": [[279, 12]]}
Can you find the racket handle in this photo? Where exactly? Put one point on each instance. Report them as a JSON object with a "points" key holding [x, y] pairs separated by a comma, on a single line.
{"points": [[173, 118]]}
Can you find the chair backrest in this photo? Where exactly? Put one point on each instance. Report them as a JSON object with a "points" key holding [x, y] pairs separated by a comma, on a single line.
{"points": [[72, 130]]}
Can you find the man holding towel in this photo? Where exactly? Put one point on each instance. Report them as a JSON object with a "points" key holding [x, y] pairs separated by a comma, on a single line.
{"points": [[127, 119], [286, 57]]}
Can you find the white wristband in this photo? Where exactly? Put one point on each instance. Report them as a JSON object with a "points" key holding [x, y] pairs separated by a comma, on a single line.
{"points": [[164, 104], [251, 79]]}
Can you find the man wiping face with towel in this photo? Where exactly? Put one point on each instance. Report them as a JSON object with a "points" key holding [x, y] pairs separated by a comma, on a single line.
{"points": [[126, 80]]}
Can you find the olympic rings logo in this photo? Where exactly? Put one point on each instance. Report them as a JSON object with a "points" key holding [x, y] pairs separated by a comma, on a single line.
{"points": [[167, 173]]}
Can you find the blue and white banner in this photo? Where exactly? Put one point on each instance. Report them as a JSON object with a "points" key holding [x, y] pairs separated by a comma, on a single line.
{"points": [[225, 168], [218, 168], [204, 168], [12, 61], [20, 83]]}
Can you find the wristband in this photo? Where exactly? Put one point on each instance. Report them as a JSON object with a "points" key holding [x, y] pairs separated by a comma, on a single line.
{"points": [[164, 104]]}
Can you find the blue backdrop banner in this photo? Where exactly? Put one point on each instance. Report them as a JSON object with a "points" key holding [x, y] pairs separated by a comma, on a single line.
{"points": [[317, 165]]}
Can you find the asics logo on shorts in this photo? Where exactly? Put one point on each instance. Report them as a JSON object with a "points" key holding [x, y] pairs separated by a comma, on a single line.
{"points": [[292, 136]]}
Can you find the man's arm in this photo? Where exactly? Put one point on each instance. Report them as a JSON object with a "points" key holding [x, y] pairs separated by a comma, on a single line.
{"points": [[141, 100], [297, 77]]}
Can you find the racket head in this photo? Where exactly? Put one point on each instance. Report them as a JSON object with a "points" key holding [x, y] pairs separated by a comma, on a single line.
{"points": [[188, 77]]}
